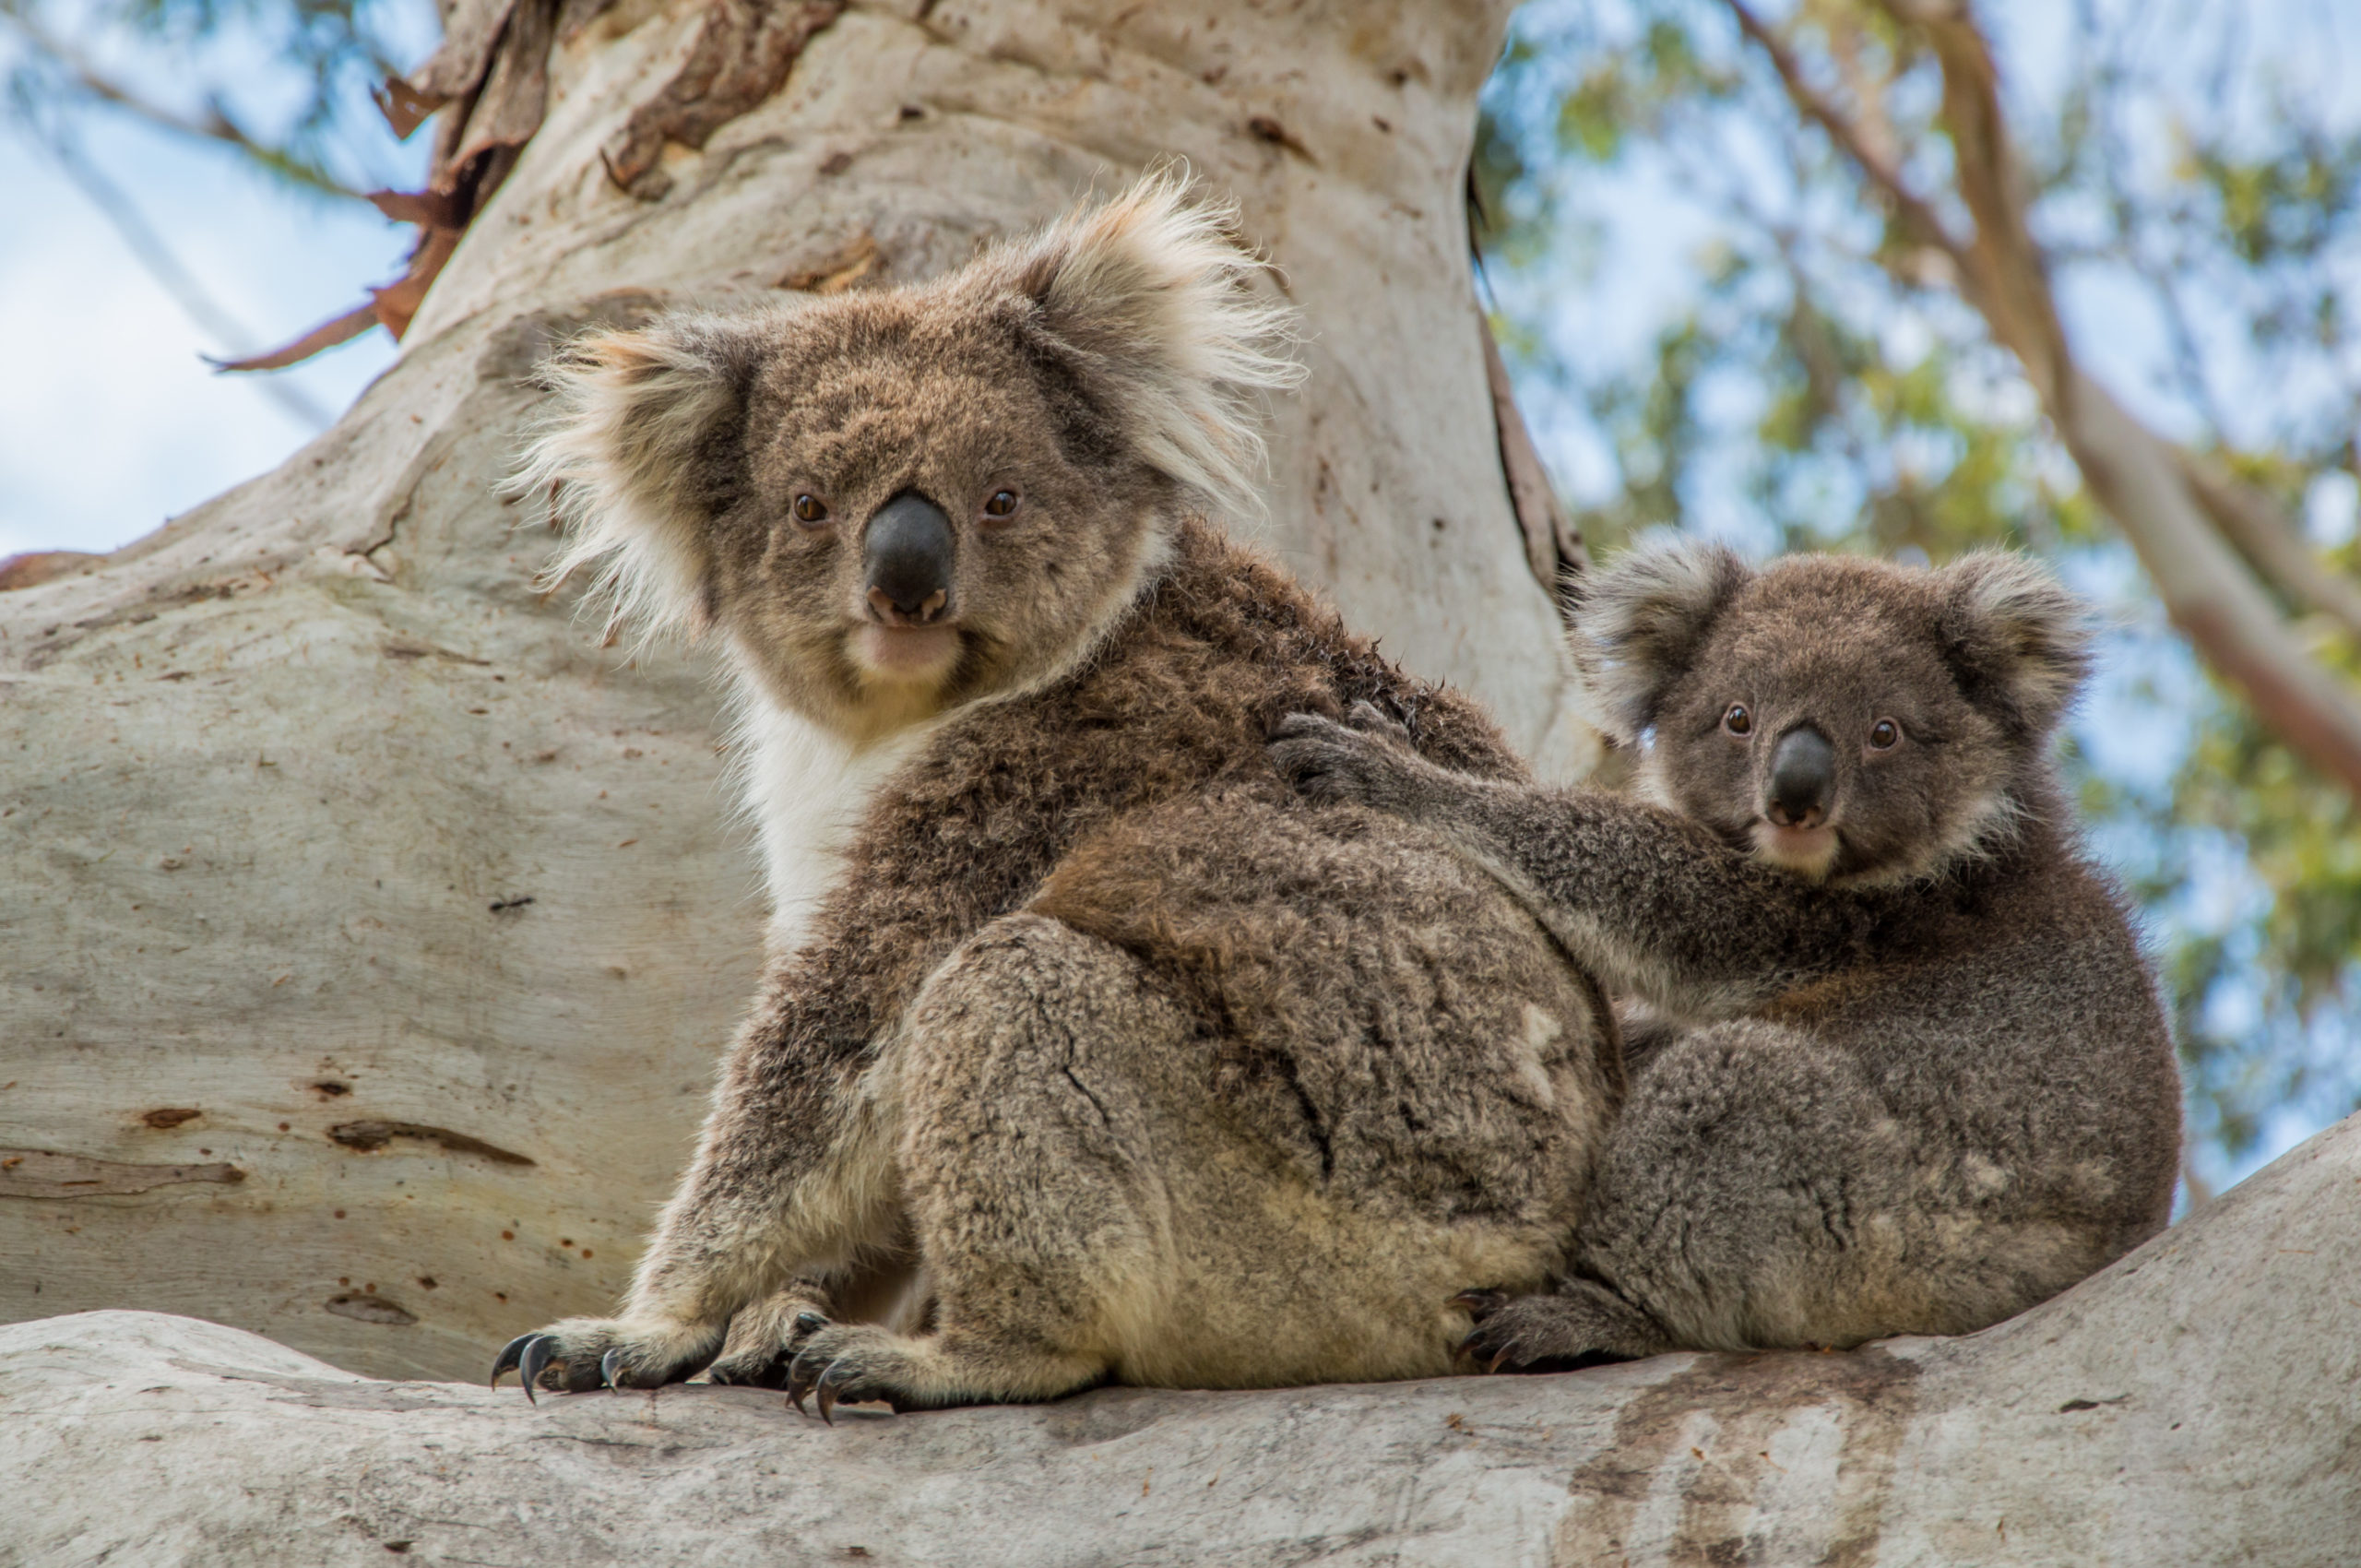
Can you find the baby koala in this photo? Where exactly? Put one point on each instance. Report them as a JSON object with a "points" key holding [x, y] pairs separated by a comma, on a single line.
{"points": [[1898, 1065]]}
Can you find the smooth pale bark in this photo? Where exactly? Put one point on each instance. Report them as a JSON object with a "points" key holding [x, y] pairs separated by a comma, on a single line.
{"points": [[2194, 1405], [370, 931]]}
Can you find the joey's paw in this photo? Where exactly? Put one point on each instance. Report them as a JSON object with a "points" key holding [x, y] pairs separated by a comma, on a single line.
{"points": [[855, 1364], [1582, 1326], [1368, 761], [762, 1359], [584, 1353]]}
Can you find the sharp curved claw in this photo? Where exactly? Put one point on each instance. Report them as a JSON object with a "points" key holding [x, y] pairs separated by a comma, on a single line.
{"points": [[798, 1383], [536, 1357], [507, 1357], [1477, 1302], [608, 1365], [810, 1323]]}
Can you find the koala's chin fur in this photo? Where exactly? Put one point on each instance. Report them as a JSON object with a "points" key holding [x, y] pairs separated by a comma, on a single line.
{"points": [[1087, 1050], [1897, 1064]]}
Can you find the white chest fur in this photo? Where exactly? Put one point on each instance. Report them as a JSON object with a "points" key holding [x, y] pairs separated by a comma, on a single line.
{"points": [[807, 790]]}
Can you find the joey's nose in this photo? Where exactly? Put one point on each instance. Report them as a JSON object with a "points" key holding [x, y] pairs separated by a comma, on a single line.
{"points": [[1803, 777], [905, 557]]}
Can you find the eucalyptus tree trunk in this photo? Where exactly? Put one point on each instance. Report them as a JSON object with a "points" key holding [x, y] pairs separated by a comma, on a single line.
{"points": [[367, 932]]}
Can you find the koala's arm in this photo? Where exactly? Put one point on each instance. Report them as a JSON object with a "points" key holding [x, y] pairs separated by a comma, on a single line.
{"points": [[792, 1177], [1651, 902]]}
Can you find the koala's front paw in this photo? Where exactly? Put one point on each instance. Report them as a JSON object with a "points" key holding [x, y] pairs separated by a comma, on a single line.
{"points": [[1580, 1325], [584, 1353], [1369, 763]]}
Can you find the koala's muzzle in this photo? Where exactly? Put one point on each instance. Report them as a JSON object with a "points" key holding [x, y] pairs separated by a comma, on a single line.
{"points": [[906, 560], [1803, 778]]}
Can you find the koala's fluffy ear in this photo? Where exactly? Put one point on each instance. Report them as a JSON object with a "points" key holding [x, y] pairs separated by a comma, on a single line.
{"points": [[1147, 299], [1640, 623], [638, 455], [2018, 642]]}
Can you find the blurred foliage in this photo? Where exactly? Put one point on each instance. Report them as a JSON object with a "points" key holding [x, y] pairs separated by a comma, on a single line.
{"points": [[1814, 382], [287, 84]]}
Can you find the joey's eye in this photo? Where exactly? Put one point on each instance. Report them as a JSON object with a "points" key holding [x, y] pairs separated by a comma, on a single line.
{"points": [[1002, 505], [1883, 734], [1737, 722], [810, 510]]}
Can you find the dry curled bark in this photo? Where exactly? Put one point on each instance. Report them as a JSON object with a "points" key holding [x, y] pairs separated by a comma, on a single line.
{"points": [[317, 822], [2192, 1405]]}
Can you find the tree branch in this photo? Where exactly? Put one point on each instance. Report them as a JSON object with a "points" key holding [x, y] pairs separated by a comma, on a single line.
{"points": [[1915, 212]]}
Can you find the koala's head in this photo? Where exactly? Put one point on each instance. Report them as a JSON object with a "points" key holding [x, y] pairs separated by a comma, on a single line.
{"points": [[1846, 719], [890, 503]]}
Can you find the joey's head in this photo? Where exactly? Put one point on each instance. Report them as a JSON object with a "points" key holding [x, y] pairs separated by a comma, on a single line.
{"points": [[1846, 719], [893, 502]]}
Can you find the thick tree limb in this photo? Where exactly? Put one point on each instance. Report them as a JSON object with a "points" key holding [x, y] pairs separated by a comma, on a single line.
{"points": [[2192, 1405], [2267, 537], [2179, 519]]}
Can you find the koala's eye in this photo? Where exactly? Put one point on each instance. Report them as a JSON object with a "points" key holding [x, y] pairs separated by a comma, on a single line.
{"points": [[810, 510], [1883, 734], [1737, 722], [1002, 505]]}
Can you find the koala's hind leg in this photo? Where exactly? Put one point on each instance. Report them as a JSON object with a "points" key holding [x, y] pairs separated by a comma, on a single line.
{"points": [[1759, 1193], [1030, 1167]]}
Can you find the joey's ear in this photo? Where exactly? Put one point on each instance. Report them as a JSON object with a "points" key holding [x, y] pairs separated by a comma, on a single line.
{"points": [[638, 454], [1147, 299], [1640, 623], [2017, 641]]}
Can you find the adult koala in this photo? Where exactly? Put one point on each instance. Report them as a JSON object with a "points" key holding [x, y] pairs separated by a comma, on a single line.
{"points": [[1901, 1067], [1087, 1050]]}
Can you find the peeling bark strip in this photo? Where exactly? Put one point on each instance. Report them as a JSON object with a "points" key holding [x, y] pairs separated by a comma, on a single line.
{"points": [[844, 267], [371, 1137], [490, 80], [44, 1173], [741, 58], [361, 1308], [34, 567], [1553, 545]]}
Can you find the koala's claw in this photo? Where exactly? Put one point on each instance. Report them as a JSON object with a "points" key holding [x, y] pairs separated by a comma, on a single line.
{"points": [[529, 1353], [808, 1323], [610, 1367], [1480, 1305], [835, 1379], [840, 1369], [1367, 760], [508, 1355], [1371, 720]]}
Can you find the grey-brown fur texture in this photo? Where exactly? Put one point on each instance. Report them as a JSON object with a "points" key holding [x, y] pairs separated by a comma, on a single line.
{"points": [[1088, 1050], [1897, 1064]]}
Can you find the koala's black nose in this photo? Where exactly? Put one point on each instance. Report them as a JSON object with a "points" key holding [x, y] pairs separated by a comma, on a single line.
{"points": [[1803, 777], [907, 556]]}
